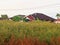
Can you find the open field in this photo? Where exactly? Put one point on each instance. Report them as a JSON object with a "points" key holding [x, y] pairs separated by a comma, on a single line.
{"points": [[39, 32]]}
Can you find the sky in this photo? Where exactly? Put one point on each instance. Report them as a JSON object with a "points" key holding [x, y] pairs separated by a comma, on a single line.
{"points": [[26, 7]]}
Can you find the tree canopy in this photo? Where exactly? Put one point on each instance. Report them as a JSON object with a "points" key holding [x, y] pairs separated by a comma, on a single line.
{"points": [[58, 15], [16, 18], [4, 16]]}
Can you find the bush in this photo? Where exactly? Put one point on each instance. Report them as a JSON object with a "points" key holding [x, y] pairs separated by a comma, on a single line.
{"points": [[16, 18], [25, 20]]}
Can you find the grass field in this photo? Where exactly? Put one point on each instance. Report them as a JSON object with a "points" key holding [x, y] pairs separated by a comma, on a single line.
{"points": [[36, 30]]}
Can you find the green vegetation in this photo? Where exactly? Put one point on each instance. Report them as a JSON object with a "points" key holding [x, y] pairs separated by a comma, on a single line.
{"points": [[39, 29], [58, 15], [16, 18], [4, 16], [25, 20]]}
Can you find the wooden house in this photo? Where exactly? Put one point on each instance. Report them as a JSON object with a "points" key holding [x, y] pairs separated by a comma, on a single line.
{"points": [[42, 17], [57, 21], [30, 17]]}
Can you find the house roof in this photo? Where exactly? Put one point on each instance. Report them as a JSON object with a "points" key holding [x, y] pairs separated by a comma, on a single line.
{"points": [[42, 17], [31, 17]]}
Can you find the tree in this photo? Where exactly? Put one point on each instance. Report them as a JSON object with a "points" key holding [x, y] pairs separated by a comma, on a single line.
{"points": [[25, 20], [16, 18], [4, 16], [58, 16]]}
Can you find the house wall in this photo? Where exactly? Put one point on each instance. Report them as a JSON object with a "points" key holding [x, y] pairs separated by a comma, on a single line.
{"points": [[57, 22]]}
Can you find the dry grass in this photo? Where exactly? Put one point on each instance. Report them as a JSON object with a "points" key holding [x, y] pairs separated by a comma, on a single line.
{"points": [[35, 29]]}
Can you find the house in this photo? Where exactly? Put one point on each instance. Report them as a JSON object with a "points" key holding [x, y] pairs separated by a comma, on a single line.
{"points": [[57, 21], [42, 17], [30, 17]]}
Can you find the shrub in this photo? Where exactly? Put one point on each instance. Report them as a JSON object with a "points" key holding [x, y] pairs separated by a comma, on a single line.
{"points": [[16, 18]]}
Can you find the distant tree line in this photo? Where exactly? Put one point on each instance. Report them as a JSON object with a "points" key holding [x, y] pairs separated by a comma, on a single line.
{"points": [[19, 18], [14, 18]]}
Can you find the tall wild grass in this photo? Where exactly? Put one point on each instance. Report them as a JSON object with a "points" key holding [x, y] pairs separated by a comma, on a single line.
{"points": [[36, 31]]}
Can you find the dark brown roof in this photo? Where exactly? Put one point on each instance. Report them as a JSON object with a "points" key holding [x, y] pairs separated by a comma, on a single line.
{"points": [[41, 16]]}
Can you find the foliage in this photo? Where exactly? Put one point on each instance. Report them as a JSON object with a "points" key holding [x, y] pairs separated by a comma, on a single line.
{"points": [[16, 18], [58, 15], [25, 20], [4, 16]]}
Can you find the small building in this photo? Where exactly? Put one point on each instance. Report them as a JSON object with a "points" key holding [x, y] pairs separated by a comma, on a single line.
{"points": [[57, 21], [42, 17], [30, 18]]}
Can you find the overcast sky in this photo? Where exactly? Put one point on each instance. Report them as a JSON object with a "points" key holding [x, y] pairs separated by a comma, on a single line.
{"points": [[14, 7]]}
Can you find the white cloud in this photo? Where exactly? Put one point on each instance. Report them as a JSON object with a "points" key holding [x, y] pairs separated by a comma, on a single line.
{"points": [[25, 3], [49, 7]]}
